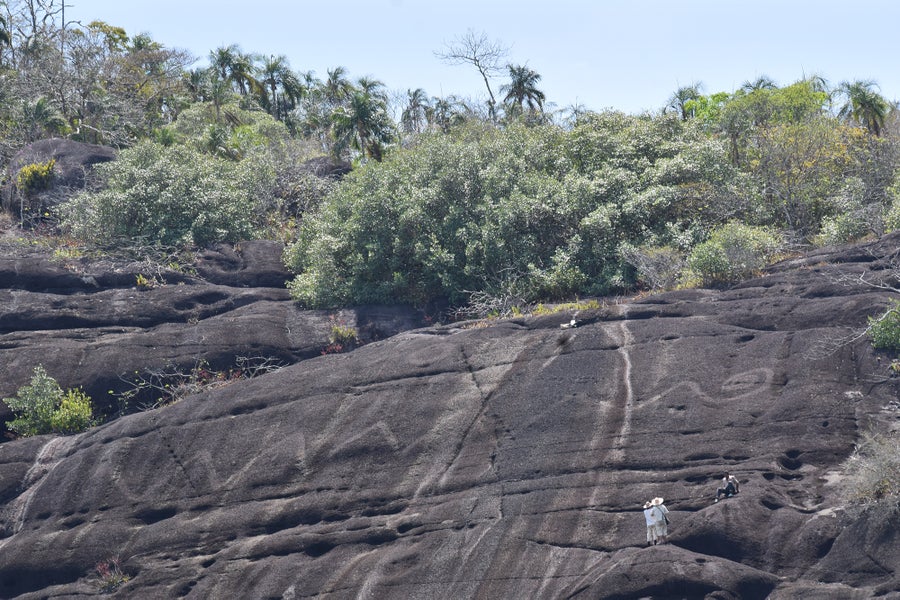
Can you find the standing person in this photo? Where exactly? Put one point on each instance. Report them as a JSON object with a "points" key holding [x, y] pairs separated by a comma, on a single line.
{"points": [[730, 486], [651, 523], [661, 519]]}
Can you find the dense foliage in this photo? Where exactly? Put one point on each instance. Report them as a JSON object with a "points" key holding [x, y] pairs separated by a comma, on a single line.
{"points": [[449, 199], [733, 252], [168, 195], [537, 212]]}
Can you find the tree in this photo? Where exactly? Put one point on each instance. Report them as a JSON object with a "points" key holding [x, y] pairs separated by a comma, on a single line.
{"points": [[5, 36], [746, 113], [42, 119], [444, 112], [275, 75], [522, 88], [485, 55], [364, 122], [681, 101], [337, 88], [43, 407], [372, 87], [864, 105], [763, 82], [234, 66], [800, 166], [414, 117]]}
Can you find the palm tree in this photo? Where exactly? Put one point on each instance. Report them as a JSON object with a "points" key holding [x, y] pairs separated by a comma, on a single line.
{"points": [[196, 83], [443, 112], [763, 82], [218, 91], [42, 119], [364, 123], [337, 87], [293, 89], [372, 87], [415, 116], [234, 66], [522, 89], [819, 84], [274, 72], [681, 99], [864, 105], [242, 69], [222, 58]]}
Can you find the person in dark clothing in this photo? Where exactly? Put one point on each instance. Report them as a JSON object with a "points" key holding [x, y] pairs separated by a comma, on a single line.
{"points": [[730, 486]]}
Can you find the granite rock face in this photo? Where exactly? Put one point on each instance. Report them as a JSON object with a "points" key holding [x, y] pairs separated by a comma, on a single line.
{"points": [[92, 326], [501, 460]]}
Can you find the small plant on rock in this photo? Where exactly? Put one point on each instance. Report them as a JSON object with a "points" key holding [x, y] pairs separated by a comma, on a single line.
{"points": [[342, 337], [885, 330], [111, 574], [145, 283], [43, 407], [155, 388]]}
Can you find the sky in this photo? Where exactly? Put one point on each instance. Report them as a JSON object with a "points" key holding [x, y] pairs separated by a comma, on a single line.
{"points": [[628, 55]]}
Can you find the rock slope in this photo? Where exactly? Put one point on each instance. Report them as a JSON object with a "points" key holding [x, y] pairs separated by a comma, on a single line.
{"points": [[507, 459]]}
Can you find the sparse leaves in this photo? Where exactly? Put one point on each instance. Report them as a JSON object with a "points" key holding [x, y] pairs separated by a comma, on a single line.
{"points": [[872, 474]]}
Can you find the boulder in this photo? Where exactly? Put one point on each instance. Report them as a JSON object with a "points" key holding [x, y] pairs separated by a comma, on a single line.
{"points": [[496, 459], [74, 163]]}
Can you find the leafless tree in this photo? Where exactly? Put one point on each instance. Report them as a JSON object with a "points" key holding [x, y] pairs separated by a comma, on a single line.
{"points": [[477, 50]]}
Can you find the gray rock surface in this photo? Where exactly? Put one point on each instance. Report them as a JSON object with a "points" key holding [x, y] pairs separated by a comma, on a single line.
{"points": [[499, 460], [91, 326]]}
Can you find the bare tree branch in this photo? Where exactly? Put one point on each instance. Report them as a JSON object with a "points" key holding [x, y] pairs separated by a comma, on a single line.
{"points": [[886, 279], [476, 49]]}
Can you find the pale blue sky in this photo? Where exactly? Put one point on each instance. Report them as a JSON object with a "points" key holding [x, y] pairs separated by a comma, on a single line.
{"points": [[628, 55]]}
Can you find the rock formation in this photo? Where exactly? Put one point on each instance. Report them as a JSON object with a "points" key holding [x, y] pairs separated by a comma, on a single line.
{"points": [[74, 162], [502, 459]]}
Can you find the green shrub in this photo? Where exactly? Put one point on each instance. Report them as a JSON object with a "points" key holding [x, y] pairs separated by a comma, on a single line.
{"points": [[478, 208], [885, 330], [43, 407], [892, 215], [871, 476], [733, 252], [74, 414], [171, 195], [843, 228]]}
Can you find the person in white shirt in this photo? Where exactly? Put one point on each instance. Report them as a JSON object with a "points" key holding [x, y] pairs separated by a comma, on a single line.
{"points": [[661, 520], [730, 486], [651, 523]]}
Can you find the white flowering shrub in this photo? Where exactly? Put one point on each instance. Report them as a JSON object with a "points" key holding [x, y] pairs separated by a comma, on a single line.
{"points": [[171, 195]]}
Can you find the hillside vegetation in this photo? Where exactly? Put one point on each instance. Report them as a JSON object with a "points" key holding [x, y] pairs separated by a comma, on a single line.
{"points": [[451, 203]]}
